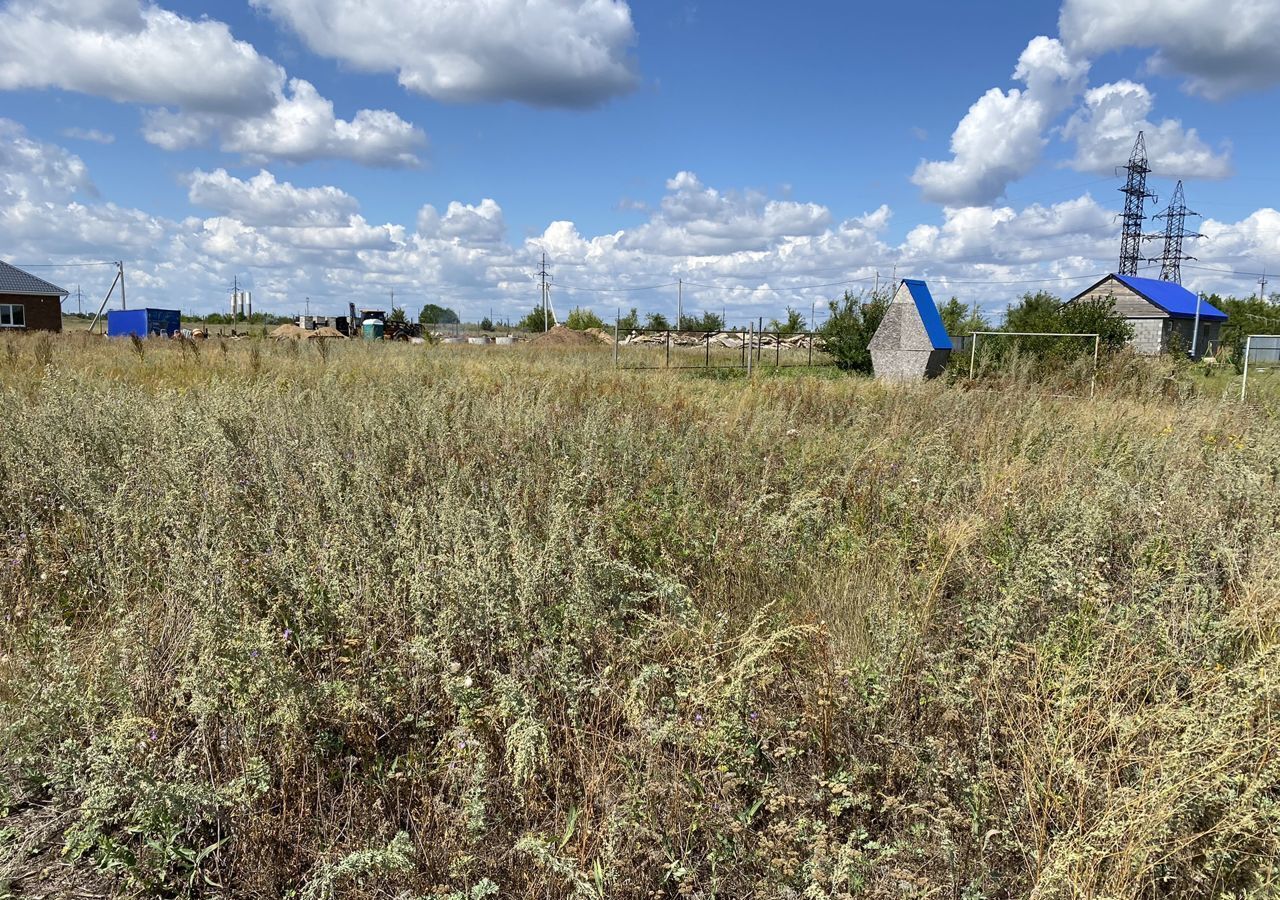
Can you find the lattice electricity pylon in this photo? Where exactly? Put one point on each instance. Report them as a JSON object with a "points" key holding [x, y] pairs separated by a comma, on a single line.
{"points": [[1175, 230], [1135, 194]]}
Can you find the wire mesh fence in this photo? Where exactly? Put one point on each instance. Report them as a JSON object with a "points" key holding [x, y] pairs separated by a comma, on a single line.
{"points": [[653, 348]]}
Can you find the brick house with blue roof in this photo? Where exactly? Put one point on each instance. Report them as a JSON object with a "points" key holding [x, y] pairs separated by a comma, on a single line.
{"points": [[911, 342], [1162, 313], [28, 303]]}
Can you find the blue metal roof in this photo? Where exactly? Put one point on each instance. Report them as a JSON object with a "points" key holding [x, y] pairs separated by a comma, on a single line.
{"points": [[928, 313], [1174, 299]]}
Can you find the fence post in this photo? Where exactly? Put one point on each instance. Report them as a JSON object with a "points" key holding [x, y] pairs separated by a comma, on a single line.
{"points": [[1093, 380], [811, 349], [750, 346], [973, 351], [617, 320], [668, 364], [707, 336], [1244, 382], [777, 350]]}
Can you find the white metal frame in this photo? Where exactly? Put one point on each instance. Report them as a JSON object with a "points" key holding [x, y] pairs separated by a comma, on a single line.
{"points": [[1248, 342], [21, 307], [1097, 346]]}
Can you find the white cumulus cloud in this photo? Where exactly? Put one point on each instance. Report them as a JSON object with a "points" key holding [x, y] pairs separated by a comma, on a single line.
{"points": [[1001, 138], [1104, 128], [542, 52], [133, 54], [1220, 46], [262, 200], [202, 85]]}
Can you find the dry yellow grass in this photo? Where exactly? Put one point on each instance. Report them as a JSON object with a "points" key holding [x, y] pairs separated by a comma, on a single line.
{"points": [[393, 621]]}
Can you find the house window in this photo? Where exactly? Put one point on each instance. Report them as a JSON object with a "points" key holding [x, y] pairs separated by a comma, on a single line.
{"points": [[12, 315]]}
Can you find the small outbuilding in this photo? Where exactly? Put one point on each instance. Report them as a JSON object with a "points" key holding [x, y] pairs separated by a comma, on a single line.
{"points": [[911, 342], [28, 303], [1161, 313], [143, 323]]}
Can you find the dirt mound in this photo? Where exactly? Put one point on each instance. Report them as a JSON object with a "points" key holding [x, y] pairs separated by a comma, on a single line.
{"points": [[560, 336], [600, 335], [325, 331], [288, 330]]}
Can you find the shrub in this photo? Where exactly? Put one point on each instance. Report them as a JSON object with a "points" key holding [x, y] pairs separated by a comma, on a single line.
{"points": [[580, 319]]}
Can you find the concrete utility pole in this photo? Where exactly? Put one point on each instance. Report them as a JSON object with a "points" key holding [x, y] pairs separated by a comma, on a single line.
{"points": [[546, 290], [679, 303], [120, 271], [1262, 286]]}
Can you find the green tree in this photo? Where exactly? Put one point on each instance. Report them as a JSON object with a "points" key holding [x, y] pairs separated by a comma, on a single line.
{"points": [[1034, 312], [707, 321], [397, 316], [793, 323], [848, 330], [656, 322], [581, 319], [433, 314], [629, 322], [537, 320], [486, 324], [1095, 317], [960, 319], [1245, 316]]}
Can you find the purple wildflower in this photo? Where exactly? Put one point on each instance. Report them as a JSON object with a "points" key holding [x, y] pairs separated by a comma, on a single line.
{"points": [[288, 633]]}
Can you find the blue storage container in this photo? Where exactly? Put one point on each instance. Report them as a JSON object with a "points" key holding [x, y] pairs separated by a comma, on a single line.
{"points": [[143, 322]]}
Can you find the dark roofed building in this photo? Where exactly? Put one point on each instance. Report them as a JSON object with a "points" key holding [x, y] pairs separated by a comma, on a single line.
{"points": [[1161, 313], [911, 342], [28, 303]]}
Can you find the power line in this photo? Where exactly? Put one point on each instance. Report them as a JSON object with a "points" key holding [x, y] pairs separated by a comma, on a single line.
{"points": [[60, 265], [596, 290]]}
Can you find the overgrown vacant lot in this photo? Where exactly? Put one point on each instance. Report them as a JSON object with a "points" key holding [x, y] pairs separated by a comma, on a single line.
{"points": [[411, 621]]}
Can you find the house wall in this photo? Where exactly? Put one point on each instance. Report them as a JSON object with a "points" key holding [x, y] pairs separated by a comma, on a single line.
{"points": [[1128, 303], [42, 313], [1179, 332], [1148, 335]]}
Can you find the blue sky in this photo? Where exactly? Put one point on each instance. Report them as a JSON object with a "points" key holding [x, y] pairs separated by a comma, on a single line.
{"points": [[754, 149]]}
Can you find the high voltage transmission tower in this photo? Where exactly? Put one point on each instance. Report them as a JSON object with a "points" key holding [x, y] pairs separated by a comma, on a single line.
{"points": [[1135, 194], [1175, 230]]}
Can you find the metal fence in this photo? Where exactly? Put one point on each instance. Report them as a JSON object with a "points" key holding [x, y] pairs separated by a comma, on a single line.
{"points": [[1259, 350], [669, 348]]}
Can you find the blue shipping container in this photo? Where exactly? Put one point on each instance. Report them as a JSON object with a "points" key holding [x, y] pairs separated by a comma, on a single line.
{"points": [[143, 322]]}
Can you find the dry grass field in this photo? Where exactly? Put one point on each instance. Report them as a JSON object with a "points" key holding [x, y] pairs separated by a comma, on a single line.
{"points": [[384, 621]]}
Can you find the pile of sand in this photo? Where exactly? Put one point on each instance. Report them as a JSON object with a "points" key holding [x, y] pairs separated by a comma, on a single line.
{"points": [[325, 331], [288, 330], [600, 335], [560, 336]]}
